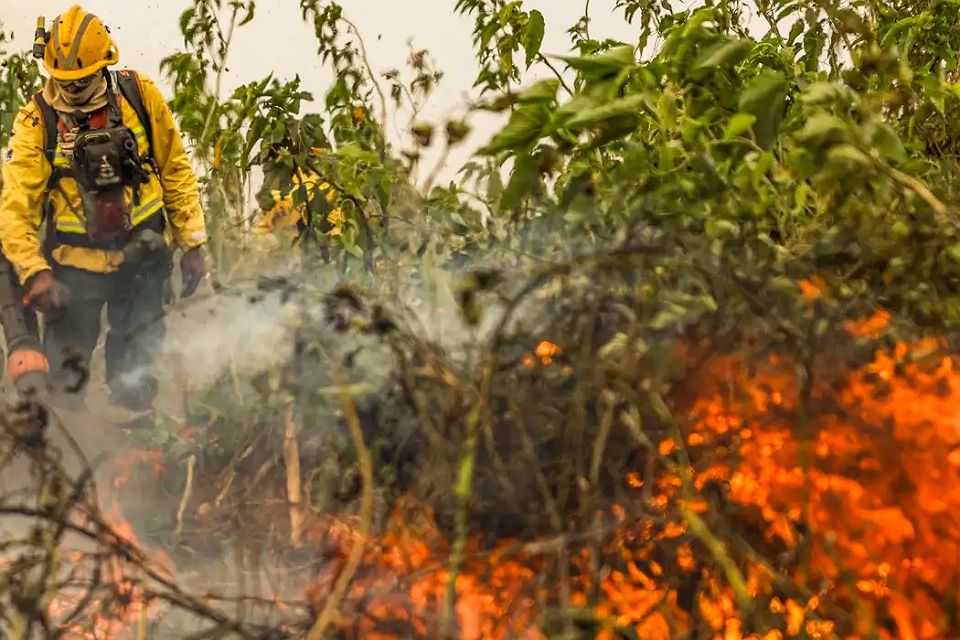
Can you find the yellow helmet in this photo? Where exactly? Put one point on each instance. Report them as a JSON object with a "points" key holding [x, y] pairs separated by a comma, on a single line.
{"points": [[79, 45]]}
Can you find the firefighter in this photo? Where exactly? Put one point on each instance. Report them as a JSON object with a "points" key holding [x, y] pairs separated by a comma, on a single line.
{"points": [[283, 217], [96, 156]]}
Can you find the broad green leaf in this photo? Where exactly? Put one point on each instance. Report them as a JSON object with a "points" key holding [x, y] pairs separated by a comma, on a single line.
{"points": [[605, 65], [542, 91], [614, 129], [822, 125], [933, 91], [820, 92], [524, 180], [723, 54], [848, 156], [719, 228], [525, 126], [691, 130], [667, 110], [888, 142], [533, 36], [185, 19], [765, 98], [633, 105], [739, 124], [795, 31], [671, 314], [593, 96]]}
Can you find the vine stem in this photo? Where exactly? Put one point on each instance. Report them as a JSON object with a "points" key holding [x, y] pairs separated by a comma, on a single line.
{"points": [[218, 82], [563, 83], [291, 455], [373, 79], [218, 245], [921, 190], [329, 612], [462, 492], [185, 499]]}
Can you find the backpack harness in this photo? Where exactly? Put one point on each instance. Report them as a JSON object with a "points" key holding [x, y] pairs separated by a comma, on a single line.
{"points": [[105, 161]]}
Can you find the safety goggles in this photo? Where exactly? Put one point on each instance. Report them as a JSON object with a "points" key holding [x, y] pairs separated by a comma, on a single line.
{"points": [[78, 85]]}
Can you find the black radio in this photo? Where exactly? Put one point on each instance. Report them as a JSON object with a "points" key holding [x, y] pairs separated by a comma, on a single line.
{"points": [[107, 159]]}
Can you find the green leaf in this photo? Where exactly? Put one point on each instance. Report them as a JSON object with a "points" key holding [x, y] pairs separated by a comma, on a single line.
{"points": [[533, 36], [738, 125], [670, 315], [249, 15], [524, 181], [795, 31], [820, 92], [605, 65], [719, 228], [542, 91], [822, 125], [525, 127], [576, 104], [632, 105], [348, 240], [888, 143], [765, 98], [593, 96], [667, 110], [707, 302], [613, 129], [723, 54], [185, 19], [848, 156]]}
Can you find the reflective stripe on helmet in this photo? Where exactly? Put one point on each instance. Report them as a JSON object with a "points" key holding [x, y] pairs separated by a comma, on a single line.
{"points": [[71, 61]]}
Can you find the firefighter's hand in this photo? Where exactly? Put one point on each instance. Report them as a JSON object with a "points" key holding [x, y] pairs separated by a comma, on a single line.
{"points": [[44, 293], [192, 271]]}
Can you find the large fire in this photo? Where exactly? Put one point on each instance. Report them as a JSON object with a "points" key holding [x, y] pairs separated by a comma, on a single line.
{"points": [[860, 499], [855, 485]]}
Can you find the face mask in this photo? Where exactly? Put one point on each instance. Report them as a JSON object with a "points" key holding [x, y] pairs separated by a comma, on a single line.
{"points": [[80, 92]]}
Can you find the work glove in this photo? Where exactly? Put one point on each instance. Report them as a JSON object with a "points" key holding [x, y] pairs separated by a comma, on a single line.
{"points": [[44, 293], [192, 271]]}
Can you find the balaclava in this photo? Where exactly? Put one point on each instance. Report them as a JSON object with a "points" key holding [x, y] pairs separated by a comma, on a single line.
{"points": [[64, 97]]}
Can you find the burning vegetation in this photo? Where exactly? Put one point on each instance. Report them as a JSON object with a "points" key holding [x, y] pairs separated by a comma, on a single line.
{"points": [[578, 394], [763, 500]]}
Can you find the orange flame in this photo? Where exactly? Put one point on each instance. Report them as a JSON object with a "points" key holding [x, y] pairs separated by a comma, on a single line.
{"points": [[119, 621], [860, 496], [872, 481]]}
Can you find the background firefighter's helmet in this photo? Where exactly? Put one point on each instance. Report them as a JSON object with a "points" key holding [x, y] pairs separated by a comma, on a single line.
{"points": [[79, 45]]}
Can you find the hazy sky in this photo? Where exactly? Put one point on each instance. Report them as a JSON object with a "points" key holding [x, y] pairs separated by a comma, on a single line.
{"points": [[279, 41]]}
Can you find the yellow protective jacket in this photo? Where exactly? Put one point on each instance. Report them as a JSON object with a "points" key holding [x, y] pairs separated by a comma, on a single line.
{"points": [[25, 175], [284, 215]]}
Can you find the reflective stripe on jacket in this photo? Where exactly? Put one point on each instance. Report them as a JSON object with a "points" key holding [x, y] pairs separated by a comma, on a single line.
{"points": [[25, 175]]}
